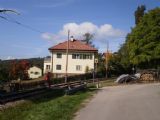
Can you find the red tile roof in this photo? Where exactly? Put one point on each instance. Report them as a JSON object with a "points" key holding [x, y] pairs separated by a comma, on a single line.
{"points": [[73, 45]]}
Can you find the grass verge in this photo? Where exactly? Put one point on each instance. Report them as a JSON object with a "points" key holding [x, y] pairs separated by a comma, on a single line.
{"points": [[105, 83], [109, 82], [53, 105]]}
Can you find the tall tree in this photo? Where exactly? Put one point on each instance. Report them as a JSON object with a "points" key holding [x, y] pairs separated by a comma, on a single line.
{"points": [[88, 38], [143, 43], [19, 69], [139, 13]]}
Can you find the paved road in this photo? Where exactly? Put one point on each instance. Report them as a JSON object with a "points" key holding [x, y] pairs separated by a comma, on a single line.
{"points": [[130, 102]]}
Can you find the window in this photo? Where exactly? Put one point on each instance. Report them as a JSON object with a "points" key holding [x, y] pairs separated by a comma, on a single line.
{"points": [[59, 55], [58, 67], [36, 73], [31, 72], [91, 56], [82, 56], [87, 56], [78, 67], [73, 56], [48, 67]]}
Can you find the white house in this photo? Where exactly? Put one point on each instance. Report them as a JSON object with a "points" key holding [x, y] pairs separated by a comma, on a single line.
{"points": [[80, 57], [47, 65], [34, 72]]}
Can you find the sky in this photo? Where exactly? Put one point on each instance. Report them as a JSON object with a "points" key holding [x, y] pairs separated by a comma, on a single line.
{"points": [[45, 23]]}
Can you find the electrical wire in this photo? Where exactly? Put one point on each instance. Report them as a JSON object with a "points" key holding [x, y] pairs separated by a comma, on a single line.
{"points": [[12, 20]]}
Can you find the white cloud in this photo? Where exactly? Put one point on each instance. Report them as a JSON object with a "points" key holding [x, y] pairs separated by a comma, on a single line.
{"points": [[47, 36], [10, 58], [101, 33], [78, 30]]}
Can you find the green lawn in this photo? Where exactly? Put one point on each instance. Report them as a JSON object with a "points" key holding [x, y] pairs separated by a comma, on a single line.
{"points": [[53, 105]]}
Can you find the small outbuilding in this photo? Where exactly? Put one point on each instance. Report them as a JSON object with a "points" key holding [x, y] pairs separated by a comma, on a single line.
{"points": [[34, 72]]}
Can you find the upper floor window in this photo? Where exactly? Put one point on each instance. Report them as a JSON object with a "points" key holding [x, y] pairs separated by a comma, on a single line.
{"points": [[73, 56], [59, 55], [58, 67], [82, 56]]}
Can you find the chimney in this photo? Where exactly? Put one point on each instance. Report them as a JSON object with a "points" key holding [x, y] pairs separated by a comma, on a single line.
{"points": [[72, 38]]}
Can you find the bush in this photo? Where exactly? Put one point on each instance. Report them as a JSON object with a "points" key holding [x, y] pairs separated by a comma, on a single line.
{"points": [[81, 77]]}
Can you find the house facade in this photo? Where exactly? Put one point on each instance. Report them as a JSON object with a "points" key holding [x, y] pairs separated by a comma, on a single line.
{"points": [[47, 65], [80, 57]]}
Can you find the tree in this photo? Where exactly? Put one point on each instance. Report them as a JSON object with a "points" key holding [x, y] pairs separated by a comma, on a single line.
{"points": [[139, 13], [101, 70], [143, 43], [4, 75], [19, 70], [87, 38]]}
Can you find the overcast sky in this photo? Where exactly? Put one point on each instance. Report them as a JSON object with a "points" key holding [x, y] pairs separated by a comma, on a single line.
{"points": [[45, 23]]}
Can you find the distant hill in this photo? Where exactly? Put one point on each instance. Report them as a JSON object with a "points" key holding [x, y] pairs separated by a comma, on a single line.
{"points": [[33, 62]]}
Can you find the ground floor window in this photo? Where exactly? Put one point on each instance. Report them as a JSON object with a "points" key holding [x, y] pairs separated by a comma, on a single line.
{"points": [[48, 67], [78, 68], [58, 67]]}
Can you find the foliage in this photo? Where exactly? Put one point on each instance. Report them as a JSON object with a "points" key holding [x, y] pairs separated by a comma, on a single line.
{"points": [[143, 43], [101, 70], [139, 13], [118, 65], [19, 70], [72, 78], [4, 75], [142, 46], [87, 69], [87, 38]]}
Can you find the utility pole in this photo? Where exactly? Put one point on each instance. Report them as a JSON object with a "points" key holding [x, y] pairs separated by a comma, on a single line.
{"points": [[106, 59], [66, 74]]}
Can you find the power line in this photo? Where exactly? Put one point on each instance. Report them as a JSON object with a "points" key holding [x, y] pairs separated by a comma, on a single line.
{"points": [[12, 20], [8, 10]]}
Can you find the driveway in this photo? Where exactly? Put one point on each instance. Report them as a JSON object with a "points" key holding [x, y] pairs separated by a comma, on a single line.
{"points": [[128, 102]]}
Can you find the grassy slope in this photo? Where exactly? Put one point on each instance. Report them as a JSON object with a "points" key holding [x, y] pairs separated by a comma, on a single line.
{"points": [[47, 107]]}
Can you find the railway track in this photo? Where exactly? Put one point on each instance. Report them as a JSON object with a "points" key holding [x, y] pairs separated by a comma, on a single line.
{"points": [[13, 96], [8, 97], [70, 87]]}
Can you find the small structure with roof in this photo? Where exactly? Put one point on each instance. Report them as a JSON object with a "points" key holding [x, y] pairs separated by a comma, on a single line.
{"points": [[34, 72]]}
